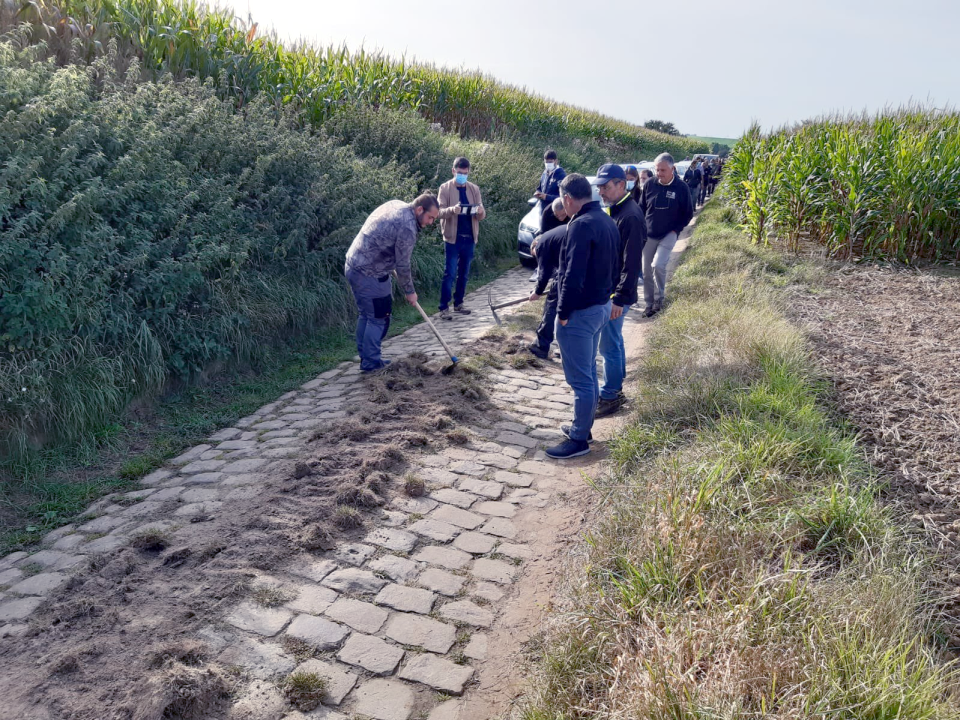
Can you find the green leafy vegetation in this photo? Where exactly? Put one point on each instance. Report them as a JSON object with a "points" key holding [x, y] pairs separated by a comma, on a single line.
{"points": [[884, 186], [742, 563]]}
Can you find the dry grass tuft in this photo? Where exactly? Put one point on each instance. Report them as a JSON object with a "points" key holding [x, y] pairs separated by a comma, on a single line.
{"points": [[414, 486], [271, 595], [305, 690], [347, 517], [183, 692]]}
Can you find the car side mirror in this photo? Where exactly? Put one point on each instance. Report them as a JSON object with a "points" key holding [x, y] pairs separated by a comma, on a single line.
{"points": [[532, 201]]}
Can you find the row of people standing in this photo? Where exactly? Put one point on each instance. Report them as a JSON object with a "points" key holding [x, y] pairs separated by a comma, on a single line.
{"points": [[594, 253], [702, 177]]}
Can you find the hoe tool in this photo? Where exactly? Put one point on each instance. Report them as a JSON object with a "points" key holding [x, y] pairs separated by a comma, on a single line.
{"points": [[494, 308], [450, 368]]}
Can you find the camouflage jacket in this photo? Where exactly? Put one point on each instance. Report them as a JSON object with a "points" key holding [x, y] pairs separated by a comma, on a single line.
{"points": [[385, 243]]}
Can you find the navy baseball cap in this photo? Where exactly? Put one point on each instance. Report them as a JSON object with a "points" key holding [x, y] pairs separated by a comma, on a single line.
{"points": [[610, 171]]}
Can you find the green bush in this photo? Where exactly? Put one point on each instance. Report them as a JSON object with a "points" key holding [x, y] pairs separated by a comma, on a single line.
{"points": [[147, 229]]}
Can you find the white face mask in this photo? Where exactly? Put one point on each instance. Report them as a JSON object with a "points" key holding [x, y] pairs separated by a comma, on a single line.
{"points": [[550, 166], [631, 184]]}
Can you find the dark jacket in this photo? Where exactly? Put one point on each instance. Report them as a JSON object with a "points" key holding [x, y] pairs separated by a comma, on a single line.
{"points": [[666, 208], [693, 176], [548, 258], [633, 234], [550, 186], [548, 221], [588, 261]]}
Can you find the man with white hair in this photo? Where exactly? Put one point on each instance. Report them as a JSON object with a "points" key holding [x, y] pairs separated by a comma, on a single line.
{"points": [[667, 208]]}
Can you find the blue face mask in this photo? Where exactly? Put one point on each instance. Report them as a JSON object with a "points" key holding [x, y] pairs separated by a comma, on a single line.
{"points": [[631, 184], [461, 179]]}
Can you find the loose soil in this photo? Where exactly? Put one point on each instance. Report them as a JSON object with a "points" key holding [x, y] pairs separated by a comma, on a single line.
{"points": [[889, 339], [119, 641]]}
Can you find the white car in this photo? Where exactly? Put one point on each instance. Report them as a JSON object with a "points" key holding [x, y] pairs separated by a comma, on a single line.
{"points": [[530, 226]]}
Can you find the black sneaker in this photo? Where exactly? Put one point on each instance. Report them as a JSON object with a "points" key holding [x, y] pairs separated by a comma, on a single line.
{"points": [[383, 364], [538, 351], [649, 312], [462, 310], [657, 306], [569, 449], [608, 407], [565, 429]]}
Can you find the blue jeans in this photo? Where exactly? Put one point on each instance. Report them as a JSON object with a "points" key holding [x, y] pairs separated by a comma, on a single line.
{"points": [[578, 341], [614, 355], [374, 297], [459, 256]]}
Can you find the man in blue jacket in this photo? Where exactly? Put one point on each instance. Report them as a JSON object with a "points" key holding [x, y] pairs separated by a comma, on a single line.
{"points": [[585, 279], [549, 188]]}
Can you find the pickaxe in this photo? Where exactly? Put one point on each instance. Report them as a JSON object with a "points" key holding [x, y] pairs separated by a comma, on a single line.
{"points": [[494, 308]]}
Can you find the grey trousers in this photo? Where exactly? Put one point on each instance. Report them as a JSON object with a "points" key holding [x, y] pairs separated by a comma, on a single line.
{"points": [[656, 255]]}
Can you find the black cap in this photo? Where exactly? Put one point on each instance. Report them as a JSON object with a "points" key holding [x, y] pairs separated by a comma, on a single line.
{"points": [[610, 171]]}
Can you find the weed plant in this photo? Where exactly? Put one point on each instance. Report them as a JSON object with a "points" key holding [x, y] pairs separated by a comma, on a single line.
{"points": [[741, 563]]}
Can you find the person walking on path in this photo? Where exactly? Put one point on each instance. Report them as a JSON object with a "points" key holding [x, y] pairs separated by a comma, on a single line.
{"points": [[585, 279], [461, 210], [384, 244], [633, 182], [547, 251], [667, 208], [611, 182], [705, 183], [549, 188], [693, 177]]}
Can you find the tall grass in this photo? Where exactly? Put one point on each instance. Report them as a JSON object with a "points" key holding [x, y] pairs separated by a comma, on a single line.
{"points": [[187, 38], [740, 562], [886, 186]]}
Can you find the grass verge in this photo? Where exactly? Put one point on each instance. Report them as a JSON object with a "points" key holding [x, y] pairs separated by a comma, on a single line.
{"points": [[741, 562], [47, 489]]}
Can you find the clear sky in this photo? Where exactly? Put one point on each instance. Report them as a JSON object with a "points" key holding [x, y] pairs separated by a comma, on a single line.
{"points": [[711, 68]]}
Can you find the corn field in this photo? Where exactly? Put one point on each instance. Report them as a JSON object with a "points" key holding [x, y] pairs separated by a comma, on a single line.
{"points": [[189, 39], [885, 186]]}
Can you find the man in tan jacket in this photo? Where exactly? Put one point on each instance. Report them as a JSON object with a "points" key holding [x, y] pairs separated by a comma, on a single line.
{"points": [[461, 210]]}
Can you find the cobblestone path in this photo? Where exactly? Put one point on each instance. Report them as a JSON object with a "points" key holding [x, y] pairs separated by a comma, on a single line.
{"points": [[405, 615]]}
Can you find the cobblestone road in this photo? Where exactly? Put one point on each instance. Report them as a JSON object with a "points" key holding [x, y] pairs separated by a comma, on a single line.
{"points": [[405, 615]]}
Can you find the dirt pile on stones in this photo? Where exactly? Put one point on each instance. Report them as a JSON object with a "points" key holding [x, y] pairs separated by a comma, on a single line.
{"points": [[106, 645]]}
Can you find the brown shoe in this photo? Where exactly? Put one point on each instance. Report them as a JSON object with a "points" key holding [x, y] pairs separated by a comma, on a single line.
{"points": [[445, 314], [461, 309]]}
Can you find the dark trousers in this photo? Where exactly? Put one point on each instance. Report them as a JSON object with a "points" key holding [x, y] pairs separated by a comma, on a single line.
{"points": [[703, 193], [459, 257], [546, 329]]}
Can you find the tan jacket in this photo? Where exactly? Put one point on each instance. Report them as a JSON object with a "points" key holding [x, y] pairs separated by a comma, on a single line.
{"points": [[449, 199]]}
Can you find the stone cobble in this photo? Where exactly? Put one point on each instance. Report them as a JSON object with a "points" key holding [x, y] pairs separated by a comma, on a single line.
{"points": [[386, 610]]}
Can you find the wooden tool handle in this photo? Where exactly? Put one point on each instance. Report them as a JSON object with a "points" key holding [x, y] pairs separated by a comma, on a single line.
{"points": [[436, 332]]}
